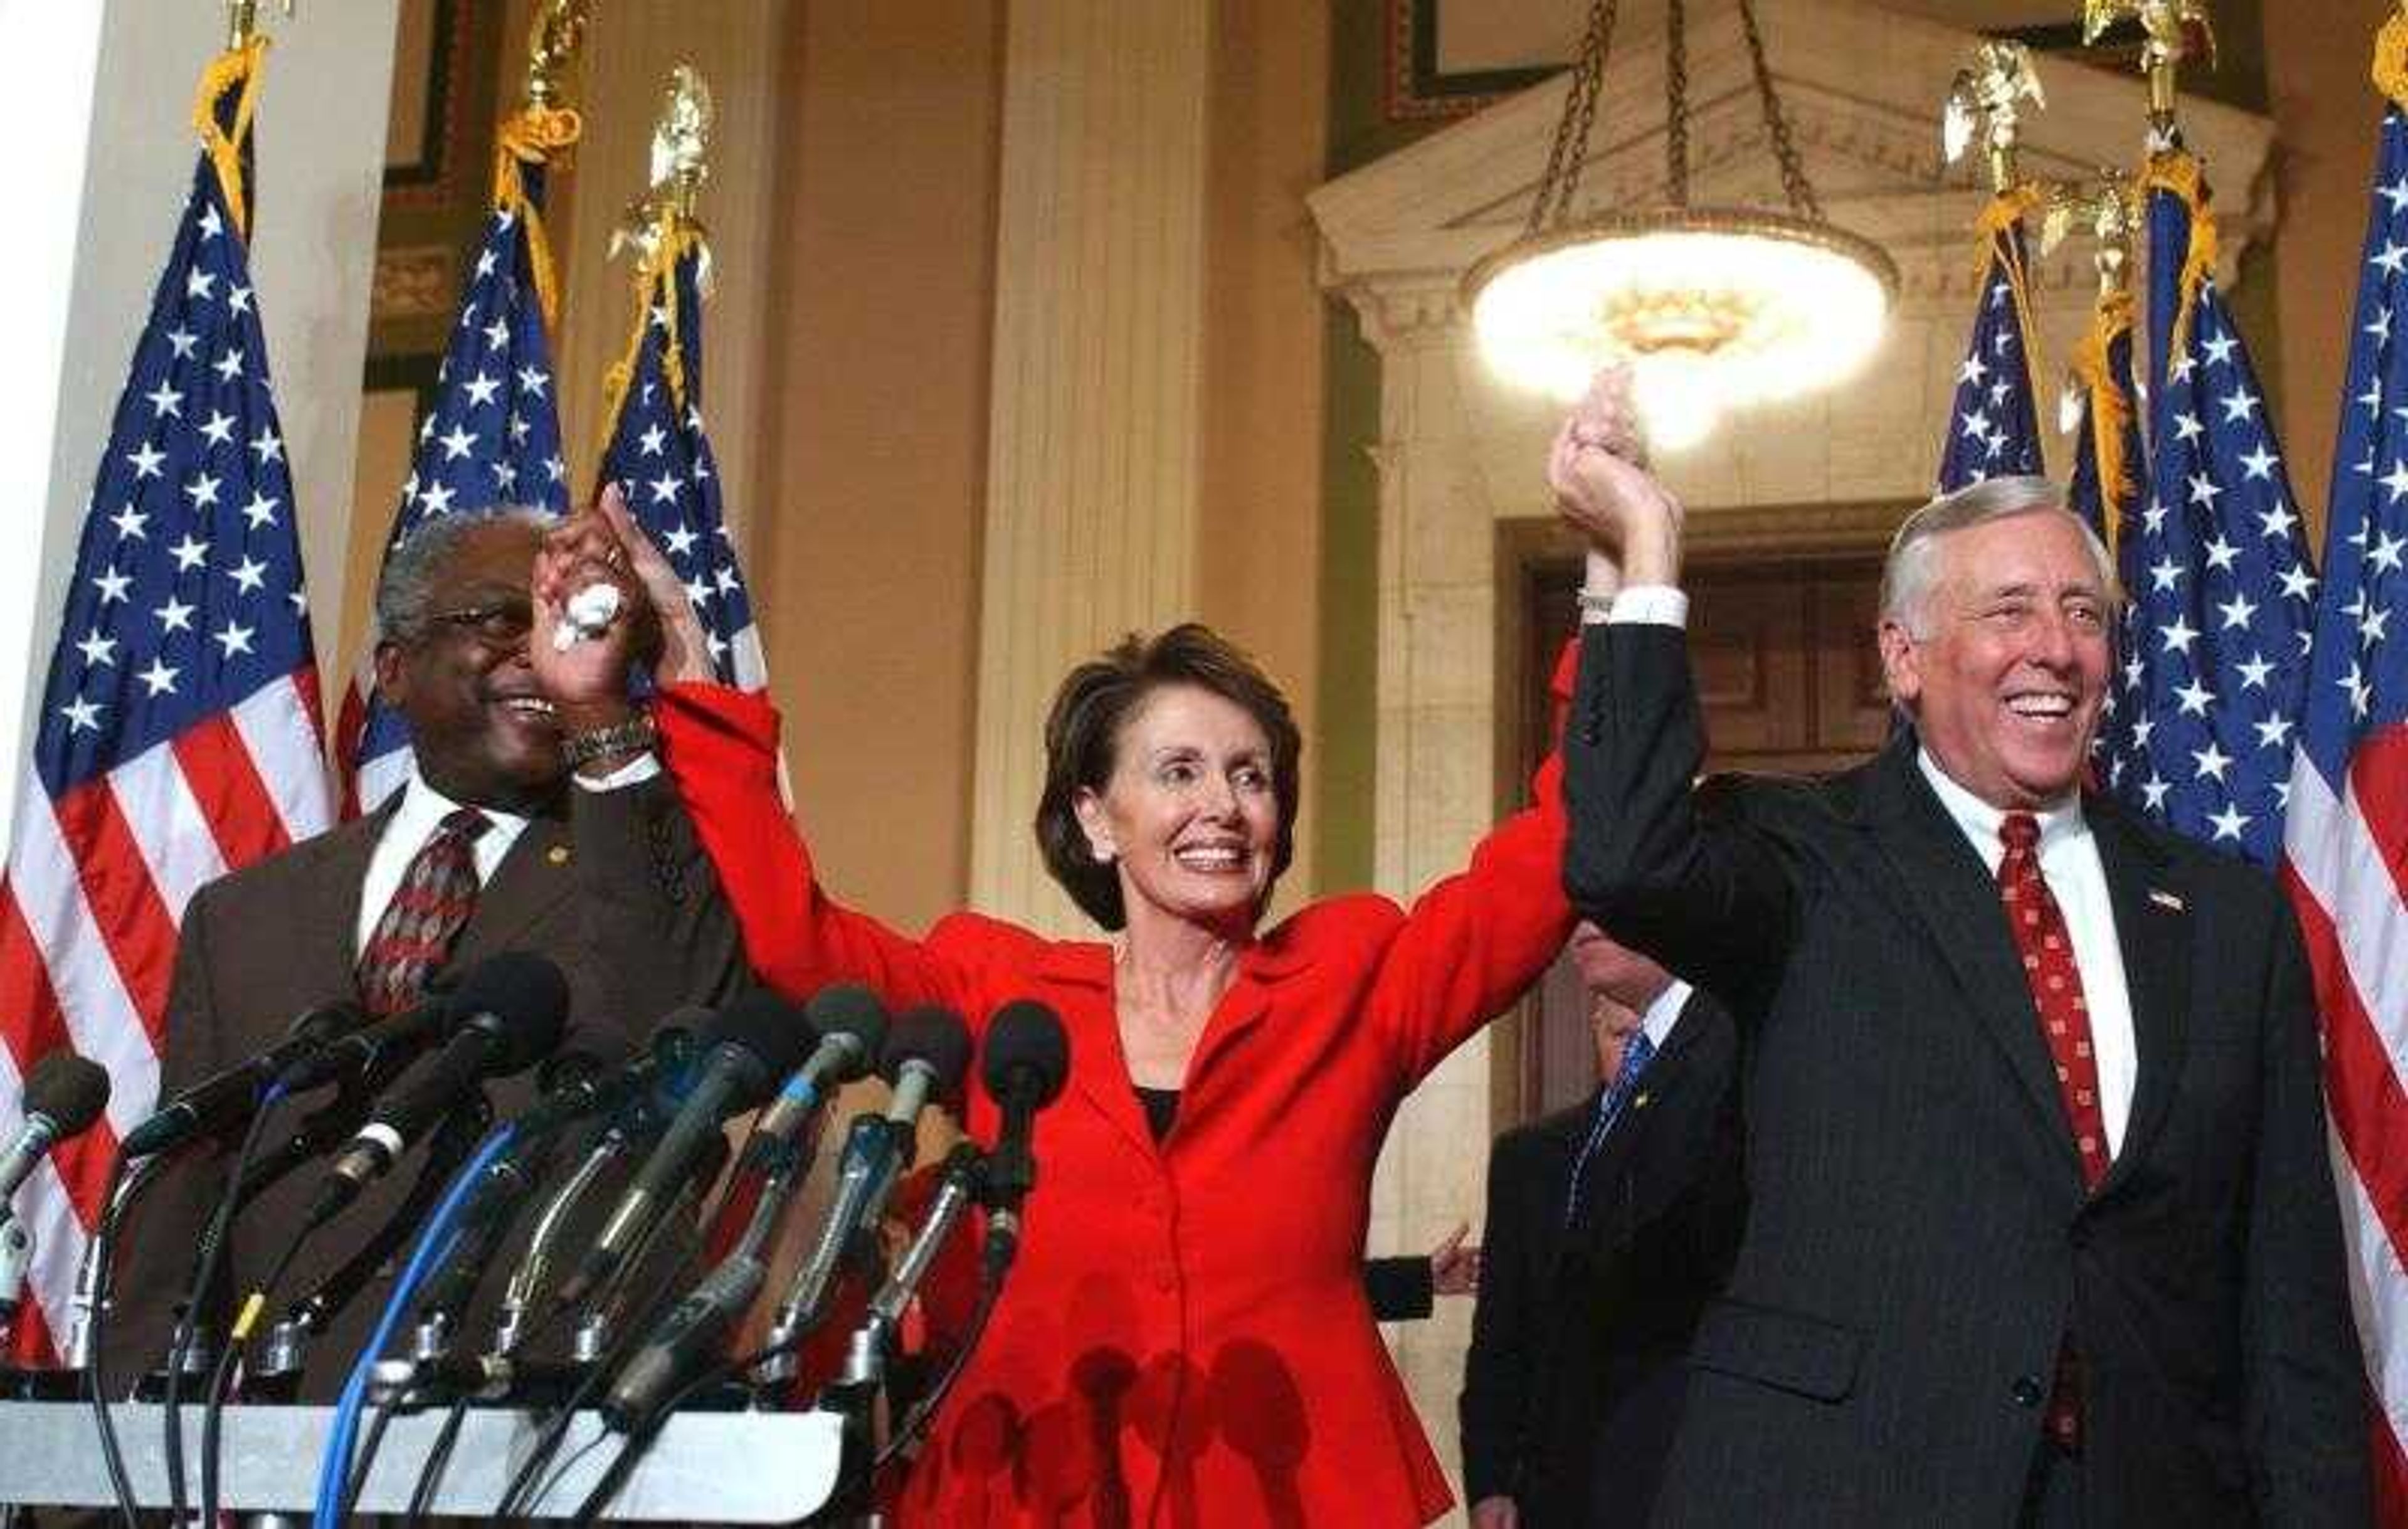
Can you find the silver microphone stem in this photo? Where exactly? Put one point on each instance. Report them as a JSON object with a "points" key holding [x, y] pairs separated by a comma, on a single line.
{"points": [[87, 1281], [535, 1268]]}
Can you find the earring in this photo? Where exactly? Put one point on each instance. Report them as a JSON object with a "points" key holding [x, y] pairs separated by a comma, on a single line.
{"points": [[1103, 853]]}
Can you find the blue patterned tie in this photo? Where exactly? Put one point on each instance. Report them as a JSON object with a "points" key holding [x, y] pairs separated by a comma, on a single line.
{"points": [[1636, 1054]]}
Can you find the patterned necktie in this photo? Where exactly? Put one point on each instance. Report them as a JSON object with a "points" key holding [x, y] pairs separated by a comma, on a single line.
{"points": [[2037, 926], [1636, 1053], [436, 894]]}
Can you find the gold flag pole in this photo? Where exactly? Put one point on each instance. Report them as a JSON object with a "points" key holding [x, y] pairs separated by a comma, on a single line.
{"points": [[1988, 100], [541, 130], [663, 226], [2173, 30], [242, 22]]}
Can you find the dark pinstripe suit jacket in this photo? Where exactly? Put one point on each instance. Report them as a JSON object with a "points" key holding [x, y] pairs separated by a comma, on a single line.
{"points": [[612, 886], [1919, 1240]]}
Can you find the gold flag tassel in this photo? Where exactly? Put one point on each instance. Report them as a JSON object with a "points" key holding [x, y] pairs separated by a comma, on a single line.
{"points": [[234, 73], [2391, 59], [1995, 239], [664, 226], [2111, 411]]}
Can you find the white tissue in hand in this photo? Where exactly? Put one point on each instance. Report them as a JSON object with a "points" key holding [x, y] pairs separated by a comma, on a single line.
{"points": [[589, 613]]}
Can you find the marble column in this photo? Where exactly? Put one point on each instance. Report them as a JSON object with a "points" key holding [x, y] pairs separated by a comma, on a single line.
{"points": [[1092, 516]]}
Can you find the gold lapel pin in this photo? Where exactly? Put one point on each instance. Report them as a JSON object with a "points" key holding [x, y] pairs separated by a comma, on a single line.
{"points": [[558, 854]]}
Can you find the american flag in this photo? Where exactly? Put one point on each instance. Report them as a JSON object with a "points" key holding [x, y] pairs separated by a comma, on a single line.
{"points": [[2349, 812], [493, 437], [178, 735], [1993, 423], [2216, 633], [660, 455]]}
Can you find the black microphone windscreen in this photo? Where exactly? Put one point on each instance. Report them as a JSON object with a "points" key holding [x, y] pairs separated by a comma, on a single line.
{"points": [[766, 1027], [1027, 1034], [848, 1008], [933, 1035], [328, 1022], [527, 993], [71, 1089]]}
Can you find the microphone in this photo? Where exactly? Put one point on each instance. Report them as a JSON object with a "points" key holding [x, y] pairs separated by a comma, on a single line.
{"points": [[229, 1098], [1027, 1060], [63, 1095], [594, 1090], [927, 1053], [376, 1050], [851, 1024], [755, 1040], [695, 1329], [966, 1169], [511, 1009]]}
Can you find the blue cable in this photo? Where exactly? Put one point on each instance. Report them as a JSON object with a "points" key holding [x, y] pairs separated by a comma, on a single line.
{"points": [[433, 1244]]}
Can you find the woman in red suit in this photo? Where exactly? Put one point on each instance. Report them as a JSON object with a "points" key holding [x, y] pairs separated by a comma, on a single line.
{"points": [[1184, 1340]]}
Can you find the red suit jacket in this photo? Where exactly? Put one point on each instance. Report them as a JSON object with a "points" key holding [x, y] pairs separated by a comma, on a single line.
{"points": [[1185, 1338]]}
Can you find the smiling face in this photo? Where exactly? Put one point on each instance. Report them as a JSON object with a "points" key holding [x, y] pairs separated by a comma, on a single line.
{"points": [[1189, 815], [2008, 677], [481, 729]]}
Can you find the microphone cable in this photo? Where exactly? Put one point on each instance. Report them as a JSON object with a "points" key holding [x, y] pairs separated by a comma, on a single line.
{"points": [[433, 1240], [205, 1268], [454, 1140], [123, 1189], [629, 1336]]}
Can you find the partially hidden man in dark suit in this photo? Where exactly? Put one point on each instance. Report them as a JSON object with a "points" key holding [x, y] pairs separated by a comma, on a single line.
{"points": [[603, 874], [2041, 1226], [1609, 1226]]}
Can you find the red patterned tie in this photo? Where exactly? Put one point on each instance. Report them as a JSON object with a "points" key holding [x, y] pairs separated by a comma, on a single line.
{"points": [[436, 894], [2040, 934]]}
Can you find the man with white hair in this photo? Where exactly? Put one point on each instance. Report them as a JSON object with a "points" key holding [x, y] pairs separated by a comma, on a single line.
{"points": [[2042, 1229]]}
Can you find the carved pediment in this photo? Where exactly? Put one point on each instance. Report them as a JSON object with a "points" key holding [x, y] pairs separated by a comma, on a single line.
{"points": [[1862, 88]]}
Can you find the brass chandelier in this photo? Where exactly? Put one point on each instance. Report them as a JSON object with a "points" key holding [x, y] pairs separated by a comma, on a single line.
{"points": [[1713, 308]]}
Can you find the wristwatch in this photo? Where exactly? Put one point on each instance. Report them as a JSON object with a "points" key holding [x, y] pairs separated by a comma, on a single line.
{"points": [[636, 735]]}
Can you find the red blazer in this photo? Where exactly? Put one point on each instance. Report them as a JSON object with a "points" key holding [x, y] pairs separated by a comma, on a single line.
{"points": [[1185, 1337]]}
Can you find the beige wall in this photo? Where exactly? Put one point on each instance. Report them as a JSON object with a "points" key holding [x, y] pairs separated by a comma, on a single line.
{"points": [[865, 550], [2327, 120]]}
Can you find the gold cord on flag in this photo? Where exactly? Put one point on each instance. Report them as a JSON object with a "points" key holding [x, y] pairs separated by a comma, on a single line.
{"points": [[534, 136], [2111, 411], [2177, 173], [1995, 239], [235, 69]]}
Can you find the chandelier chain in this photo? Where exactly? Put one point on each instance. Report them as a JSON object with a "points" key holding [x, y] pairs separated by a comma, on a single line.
{"points": [[1776, 127], [1676, 102], [1570, 153]]}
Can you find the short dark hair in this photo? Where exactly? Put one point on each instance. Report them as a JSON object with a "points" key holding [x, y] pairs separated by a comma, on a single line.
{"points": [[404, 591], [1083, 740]]}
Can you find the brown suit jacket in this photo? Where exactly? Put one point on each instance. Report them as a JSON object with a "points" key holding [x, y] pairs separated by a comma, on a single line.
{"points": [[613, 886]]}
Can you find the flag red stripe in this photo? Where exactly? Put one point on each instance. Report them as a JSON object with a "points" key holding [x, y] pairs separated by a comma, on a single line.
{"points": [[127, 909], [224, 780], [32, 1348], [2370, 1110], [2378, 781], [31, 1023]]}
